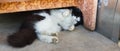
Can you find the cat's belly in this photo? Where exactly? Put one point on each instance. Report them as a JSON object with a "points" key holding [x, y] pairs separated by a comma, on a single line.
{"points": [[46, 26]]}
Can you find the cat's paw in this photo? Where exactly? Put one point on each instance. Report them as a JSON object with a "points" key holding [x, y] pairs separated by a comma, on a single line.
{"points": [[48, 39], [71, 28], [55, 40]]}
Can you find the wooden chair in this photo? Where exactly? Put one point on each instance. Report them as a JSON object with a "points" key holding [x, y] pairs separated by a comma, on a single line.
{"points": [[88, 7]]}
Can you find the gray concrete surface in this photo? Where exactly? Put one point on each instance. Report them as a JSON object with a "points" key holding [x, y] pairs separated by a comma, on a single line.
{"points": [[78, 40]]}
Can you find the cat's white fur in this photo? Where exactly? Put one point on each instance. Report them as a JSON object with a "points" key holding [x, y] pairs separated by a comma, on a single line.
{"points": [[64, 18], [45, 28], [49, 25]]}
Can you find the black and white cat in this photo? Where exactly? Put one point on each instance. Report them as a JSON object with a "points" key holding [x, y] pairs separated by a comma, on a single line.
{"points": [[45, 25]]}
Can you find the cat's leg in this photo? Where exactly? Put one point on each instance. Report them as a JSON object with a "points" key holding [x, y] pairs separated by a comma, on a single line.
{"points": [[45, 33], [49, 34], [48, 39], [53, 34]]}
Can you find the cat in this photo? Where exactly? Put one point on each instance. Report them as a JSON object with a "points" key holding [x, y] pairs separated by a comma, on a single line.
{"points": [[45, 25]]}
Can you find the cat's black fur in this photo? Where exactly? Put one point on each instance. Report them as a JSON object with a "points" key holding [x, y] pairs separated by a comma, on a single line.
{"points": [[78, 13], [26, 34]]}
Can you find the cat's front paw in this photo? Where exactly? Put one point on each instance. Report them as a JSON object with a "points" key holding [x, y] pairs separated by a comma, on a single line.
{"points": [[55, 40], [48, 39], [71, 28]]}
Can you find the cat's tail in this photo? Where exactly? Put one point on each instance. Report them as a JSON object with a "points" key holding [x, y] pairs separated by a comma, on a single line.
{"points": [[21, 38]]}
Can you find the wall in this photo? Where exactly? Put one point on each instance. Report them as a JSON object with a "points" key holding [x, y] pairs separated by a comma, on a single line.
{"points": [[108, 20]]}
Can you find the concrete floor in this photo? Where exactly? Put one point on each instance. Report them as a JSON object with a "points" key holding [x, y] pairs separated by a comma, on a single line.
{"points": [[78, 40]]}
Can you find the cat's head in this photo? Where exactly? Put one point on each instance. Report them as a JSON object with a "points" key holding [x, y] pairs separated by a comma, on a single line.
{"points": [[72, 17]]}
